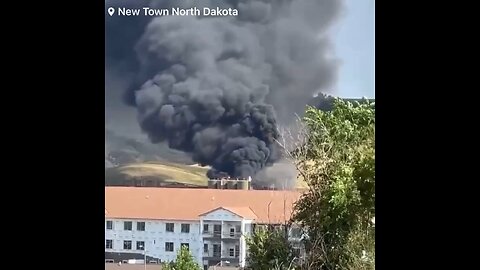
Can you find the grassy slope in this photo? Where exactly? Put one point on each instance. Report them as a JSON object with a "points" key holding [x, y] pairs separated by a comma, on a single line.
{"points": [[166, 171]]}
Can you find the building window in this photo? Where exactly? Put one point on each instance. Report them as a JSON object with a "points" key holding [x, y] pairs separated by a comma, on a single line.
{"points": [[216, 250], [205, 227], [127, 225], [109, 244], [140, 245], [237, 251], [127, 244], [169, 246], [205, 248], [109, 225], [231, 252], [217, 229], [140, 226], [187, 245], [169, 227], [185, 228]]}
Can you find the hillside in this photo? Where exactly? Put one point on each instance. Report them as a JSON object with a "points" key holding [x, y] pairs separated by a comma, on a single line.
{"points": [[165, 171], [121, 150]]}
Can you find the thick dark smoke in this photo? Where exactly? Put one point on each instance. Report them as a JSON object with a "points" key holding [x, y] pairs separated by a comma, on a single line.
{"points": [[216, 87]]}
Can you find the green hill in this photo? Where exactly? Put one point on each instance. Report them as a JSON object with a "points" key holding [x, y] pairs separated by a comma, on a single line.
{"points": [[166, 172], [157, 170]]}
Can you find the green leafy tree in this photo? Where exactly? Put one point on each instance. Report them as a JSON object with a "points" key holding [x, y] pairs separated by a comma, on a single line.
{"points": [[269, 249], [334, 153], [183, 261]]}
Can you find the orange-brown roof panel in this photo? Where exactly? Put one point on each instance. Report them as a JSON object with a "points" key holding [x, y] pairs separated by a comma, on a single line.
{"points": [[268, 206]]}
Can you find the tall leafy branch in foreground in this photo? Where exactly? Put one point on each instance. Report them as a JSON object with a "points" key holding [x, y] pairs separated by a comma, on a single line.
{"points": [[269, 250], [334, 153], [183, 261]]}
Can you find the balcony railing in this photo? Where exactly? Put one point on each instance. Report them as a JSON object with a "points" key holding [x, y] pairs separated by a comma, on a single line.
{"points": [[232, 235], [218, 254], [224, 234], [211, 254], [212, 234], [228, 255]]}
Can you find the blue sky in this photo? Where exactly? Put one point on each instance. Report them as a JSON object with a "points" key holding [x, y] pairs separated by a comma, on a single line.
{"points": [[354, 38]]}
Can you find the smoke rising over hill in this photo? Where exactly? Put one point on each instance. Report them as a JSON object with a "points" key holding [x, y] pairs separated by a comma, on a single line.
{"points": [[218, 87]]}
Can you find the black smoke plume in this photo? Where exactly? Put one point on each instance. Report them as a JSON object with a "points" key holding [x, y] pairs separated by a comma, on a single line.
{"points": [[209, 85]]}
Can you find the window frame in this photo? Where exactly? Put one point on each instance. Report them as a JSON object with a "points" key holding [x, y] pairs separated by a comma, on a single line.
{"points": [[217, 231], [185, 225], [125, 225], [109, 222], [138, 242], [125, 242], [144, 226], [237, 251], [108, 241], [185, 244], [166, 227], [167, 244]]}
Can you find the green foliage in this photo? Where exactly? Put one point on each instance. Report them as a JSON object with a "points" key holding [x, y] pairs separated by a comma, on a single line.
{"points": [[184, 261], [337, 161], [269, 249]]}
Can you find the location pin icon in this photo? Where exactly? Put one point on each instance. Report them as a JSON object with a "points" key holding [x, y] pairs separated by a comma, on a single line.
{"points": [[111, 10]]}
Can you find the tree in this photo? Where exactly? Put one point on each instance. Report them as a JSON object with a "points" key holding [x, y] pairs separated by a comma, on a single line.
{"points": [[334, 153], [184, 261], [269, 249]]}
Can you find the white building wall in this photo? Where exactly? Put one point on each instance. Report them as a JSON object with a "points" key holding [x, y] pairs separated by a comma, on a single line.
{"points": [[155, 236], [228, 220], [246, 231]]}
